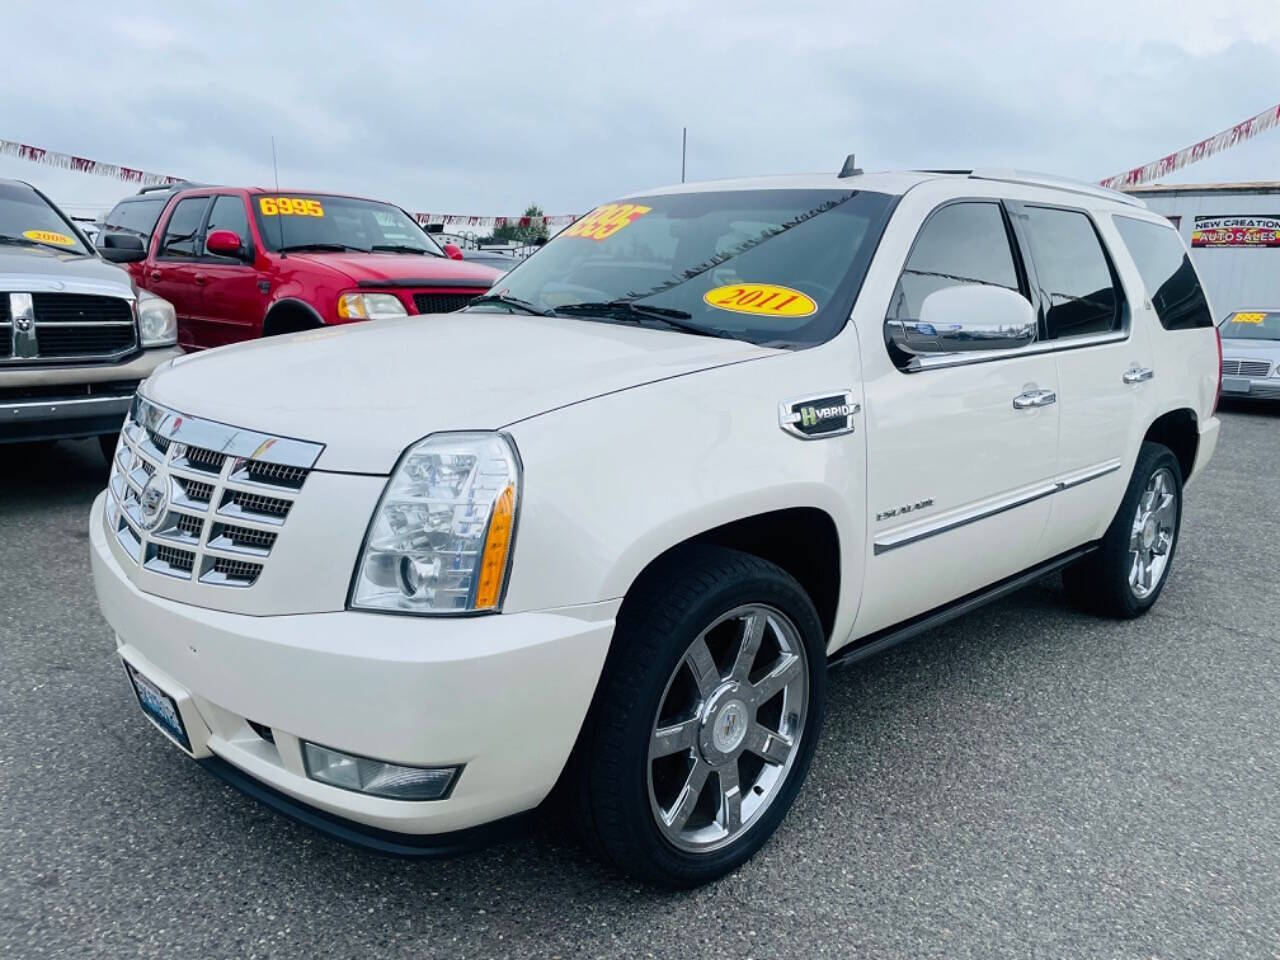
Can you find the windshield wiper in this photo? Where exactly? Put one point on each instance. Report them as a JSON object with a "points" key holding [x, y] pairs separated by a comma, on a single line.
{"points": [[28, 242], [401, 248], [522, 305], [336, 247], [638, 313]]}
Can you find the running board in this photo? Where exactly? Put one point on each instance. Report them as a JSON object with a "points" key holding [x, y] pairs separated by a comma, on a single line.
{"points": [[909, 629]]}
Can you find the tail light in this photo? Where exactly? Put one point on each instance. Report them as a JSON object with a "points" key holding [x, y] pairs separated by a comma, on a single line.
{"points": [[1217, 397]]}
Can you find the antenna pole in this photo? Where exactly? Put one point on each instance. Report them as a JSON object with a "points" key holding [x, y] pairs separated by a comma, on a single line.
{"points": [[275, 169], [684, 149]]}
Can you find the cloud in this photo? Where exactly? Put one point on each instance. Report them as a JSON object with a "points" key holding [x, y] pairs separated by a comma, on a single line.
{"points": [[486, 107]]}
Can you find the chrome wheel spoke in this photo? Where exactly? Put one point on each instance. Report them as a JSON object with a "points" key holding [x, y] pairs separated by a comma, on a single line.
{"points": [[730, 797], [705, 672], [752, 634], [674, 738], [767, 745], [787, 669], [688, 797]]}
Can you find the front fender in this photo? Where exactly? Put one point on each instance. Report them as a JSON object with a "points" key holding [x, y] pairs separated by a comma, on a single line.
{"points": [[613, 482]]}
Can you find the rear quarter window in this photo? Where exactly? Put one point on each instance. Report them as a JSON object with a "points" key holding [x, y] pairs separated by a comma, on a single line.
{"points": [[1167, 273]]}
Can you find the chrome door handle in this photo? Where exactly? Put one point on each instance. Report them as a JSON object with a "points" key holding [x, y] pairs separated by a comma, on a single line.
{"points": [[1138, 375], [1034, 398]]}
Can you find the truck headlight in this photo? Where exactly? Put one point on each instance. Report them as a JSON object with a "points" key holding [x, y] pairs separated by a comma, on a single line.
{"points": [[157, 321], [440, 540], [370, 306]]}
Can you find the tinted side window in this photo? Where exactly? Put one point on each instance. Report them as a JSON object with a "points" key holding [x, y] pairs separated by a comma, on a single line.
{"points": [[136, 216], [959, 244], [228, 213], [180, 232], [1073, 273], [1167, 273]]}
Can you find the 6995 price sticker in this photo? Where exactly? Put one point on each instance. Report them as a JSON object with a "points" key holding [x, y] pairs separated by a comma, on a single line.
{"points": [[290, 206], [603, 222]]}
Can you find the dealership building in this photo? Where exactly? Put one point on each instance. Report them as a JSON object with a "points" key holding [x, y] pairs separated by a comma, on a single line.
{"points": [[1233, 230]]}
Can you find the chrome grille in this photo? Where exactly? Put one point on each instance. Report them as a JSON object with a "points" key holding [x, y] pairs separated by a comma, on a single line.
{"points": [[225, 504], [66, 326], [1246, 368]]}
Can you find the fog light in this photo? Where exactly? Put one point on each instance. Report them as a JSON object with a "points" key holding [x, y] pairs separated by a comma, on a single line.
{"points": [[375, 777]]}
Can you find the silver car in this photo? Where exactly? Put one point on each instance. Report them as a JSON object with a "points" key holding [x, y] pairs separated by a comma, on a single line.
{"points": [[1251, 354]]}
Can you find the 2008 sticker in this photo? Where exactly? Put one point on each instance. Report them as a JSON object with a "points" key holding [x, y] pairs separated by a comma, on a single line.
{"points": [[290, 206], [761, 299], [603, 222], [49, 236]]}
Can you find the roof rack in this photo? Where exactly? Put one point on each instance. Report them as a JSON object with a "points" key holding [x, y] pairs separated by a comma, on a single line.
{"points": [[1057, 183], [167, 187]]}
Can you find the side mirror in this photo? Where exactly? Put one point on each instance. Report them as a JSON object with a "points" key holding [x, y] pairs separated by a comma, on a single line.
{"points": [[224, 243], [452, 251], [122, 247], [966, 318]]}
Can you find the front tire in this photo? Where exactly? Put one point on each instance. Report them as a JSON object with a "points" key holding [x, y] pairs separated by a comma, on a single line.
{"points": [[706, 718], [1127, 573]]}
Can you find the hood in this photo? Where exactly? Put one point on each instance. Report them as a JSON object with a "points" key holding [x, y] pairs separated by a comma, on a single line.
{"points": [[401, 269], [368, 390], [1234, 348], [41, 270]]}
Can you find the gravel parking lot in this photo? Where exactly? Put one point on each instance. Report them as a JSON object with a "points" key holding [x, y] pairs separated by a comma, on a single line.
{"points": [[1026, 782]]}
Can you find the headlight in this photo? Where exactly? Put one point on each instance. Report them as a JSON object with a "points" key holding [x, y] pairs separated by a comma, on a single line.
{"points": [[440, 540], [370, 306], [157, 322]]}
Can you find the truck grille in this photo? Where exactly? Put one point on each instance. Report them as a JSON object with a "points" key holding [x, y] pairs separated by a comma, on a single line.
{"points": [[65, 326], [442, 302], [1246, 368], [221, 500]]}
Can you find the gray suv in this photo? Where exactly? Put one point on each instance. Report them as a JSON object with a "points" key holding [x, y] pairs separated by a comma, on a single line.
{"points": [[76, 335]]}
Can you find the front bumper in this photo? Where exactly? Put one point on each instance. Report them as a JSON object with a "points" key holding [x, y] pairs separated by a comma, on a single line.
{"points": [[1251, 388], [503, 696], [54, 402]]}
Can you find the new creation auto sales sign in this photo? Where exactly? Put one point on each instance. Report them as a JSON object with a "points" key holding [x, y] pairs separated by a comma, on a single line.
{"points": [[1236, 232]]}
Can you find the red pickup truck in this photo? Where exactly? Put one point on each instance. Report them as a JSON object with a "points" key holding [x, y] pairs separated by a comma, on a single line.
{"points": [[240, 263]]}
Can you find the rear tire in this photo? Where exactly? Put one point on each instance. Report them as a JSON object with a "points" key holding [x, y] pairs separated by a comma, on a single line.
{"points": [[1127, 573], [705, 720]]}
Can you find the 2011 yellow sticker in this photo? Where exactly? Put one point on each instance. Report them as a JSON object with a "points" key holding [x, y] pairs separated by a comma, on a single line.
{"points": [[761, 299], [1249, 318], [50, 236], [290, 206], [603, 222]]}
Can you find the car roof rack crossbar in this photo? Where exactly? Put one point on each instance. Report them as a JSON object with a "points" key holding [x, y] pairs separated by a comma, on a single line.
{"points": [[1057, 183]]}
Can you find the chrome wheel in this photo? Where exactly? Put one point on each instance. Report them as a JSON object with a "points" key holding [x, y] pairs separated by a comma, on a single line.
{"points": [[1151, 538], [727, 729]]}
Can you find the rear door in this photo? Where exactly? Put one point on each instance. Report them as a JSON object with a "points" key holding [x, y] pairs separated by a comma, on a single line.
{"points": [[958, 478], [1102, 346], [232, 306], [172, 269]]}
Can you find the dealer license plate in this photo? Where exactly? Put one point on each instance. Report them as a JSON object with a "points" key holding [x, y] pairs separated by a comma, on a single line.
{"points": [[1235, 385], [159, 706]]}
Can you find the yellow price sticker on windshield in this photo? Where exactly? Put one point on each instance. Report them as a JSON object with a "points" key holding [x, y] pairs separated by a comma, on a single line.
{"points": [[603, 222], [1249, 318], [761, 299], [290, 206], [49, 236]]}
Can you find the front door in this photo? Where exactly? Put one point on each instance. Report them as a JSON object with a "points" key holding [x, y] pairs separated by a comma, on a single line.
{"points": [[232, 307], [959, 476]]}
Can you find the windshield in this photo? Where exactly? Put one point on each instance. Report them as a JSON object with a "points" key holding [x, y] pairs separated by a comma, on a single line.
{"points": [[27, 219], [318, 221], [778, 267], [1251, 325]]}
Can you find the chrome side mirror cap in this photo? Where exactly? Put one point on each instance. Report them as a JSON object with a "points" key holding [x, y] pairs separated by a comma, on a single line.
{"points": [[966, 318]]}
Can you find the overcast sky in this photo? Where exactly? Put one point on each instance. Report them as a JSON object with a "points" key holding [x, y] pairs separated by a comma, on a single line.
{"points": [[483, 107]]}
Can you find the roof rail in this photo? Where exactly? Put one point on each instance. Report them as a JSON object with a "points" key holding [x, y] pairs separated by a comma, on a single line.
{"points": [[1056, 183], [160, 187]]}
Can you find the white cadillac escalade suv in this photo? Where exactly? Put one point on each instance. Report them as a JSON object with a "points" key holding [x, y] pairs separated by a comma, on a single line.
{"points": [[611, 524]]}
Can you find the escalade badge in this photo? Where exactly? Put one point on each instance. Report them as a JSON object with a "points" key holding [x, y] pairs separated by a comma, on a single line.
{"points": [[153, 500], [814, 418]]}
